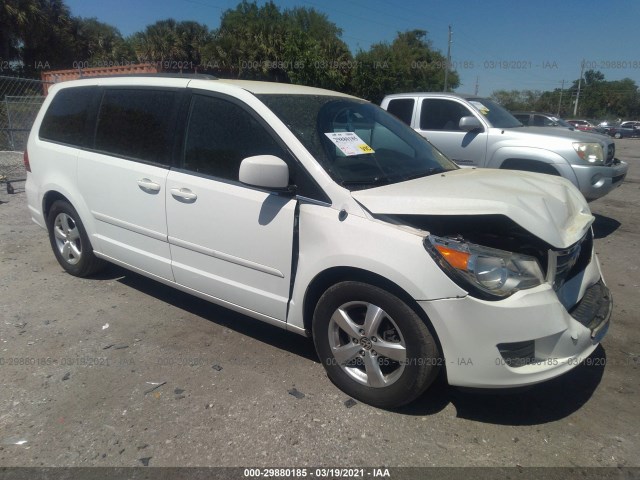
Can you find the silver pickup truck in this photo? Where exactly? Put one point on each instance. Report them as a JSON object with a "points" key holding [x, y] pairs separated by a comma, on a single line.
{"points": [[477, 132]]}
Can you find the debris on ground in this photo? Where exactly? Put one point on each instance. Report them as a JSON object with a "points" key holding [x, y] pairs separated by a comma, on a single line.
{"points": [[294, 391], [350, 403], [156, 385]]}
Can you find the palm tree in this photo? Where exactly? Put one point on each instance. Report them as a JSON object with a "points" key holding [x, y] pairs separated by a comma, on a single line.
{"points": [[159, 43], [15, 17]]}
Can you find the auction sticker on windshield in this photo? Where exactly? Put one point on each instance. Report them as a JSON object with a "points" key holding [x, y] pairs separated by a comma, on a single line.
{"points": [[349, 143], [481, 107]]}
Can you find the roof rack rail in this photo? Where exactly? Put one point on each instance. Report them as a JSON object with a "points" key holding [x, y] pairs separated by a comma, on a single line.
{"points": [[195, 76]]}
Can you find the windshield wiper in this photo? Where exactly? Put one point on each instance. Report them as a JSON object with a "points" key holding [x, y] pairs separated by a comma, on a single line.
{"points": [[366, 181], [426, 173]]}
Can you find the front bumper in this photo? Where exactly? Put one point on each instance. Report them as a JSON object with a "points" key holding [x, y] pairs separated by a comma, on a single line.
{"points": [[525, 339], [596, 181]]}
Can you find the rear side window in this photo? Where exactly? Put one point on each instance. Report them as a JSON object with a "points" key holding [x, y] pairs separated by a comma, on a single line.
{"points": [[66, 118], [137, 123], [402, 108], [221, 134]]}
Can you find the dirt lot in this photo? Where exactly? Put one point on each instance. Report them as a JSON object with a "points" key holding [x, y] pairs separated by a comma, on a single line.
{"points": [[121, 371]]}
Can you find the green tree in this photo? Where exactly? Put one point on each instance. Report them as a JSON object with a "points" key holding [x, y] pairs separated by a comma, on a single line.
{"points": [[409, 63], [15, 17], [299, 45], [99, 43], [251, 40], [158, 42], [171, 44], [315, 53], [36, 34], [515, 100], [192, 38], [599, 98]]}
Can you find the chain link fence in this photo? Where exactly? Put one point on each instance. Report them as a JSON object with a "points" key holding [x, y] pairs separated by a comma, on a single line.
{"points": [[20, 101]]}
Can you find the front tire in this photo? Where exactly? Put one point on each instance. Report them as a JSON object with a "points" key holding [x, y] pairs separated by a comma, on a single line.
{"points": [[618, 135], [373, 346], [70, 242]]}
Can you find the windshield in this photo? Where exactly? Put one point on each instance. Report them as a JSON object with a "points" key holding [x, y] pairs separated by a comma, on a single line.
{"points": [[357, 143], [495, 113], [563, 123]]}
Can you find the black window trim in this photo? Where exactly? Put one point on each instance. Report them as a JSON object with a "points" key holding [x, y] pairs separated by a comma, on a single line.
{"points": [[292, 161]]}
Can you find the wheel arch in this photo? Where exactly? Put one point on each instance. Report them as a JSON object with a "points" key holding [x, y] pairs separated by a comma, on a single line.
{"points": [[49, 199], [325, 279], [528, 165]]}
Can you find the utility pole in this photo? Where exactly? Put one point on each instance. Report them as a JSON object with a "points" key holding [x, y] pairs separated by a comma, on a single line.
{"points": [[575, 106], [446, 71], [477, 86], [560, 101]]}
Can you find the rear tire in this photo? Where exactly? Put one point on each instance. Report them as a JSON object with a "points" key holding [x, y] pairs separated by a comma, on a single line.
{"points": [[70, 242], [373, 346]]}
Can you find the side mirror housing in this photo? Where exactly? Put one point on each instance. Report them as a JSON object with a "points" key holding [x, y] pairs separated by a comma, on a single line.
{"points": [[265, 171], [469, 124]]}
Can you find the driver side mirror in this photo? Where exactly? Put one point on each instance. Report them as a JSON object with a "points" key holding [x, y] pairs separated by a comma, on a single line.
{"points": [[265, 171], [470, 124]]}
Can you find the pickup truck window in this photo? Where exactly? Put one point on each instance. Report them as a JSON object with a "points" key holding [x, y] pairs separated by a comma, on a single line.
{"points": [[402, 108], [494, 113], [442, 114]]}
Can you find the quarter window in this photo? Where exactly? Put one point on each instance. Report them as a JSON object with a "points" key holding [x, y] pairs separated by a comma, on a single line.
{"points": [[137, 124], [220, 135], [66, 118]]}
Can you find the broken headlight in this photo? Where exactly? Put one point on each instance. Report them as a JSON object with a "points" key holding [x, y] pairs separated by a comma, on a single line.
{"points": [[489, 272]]}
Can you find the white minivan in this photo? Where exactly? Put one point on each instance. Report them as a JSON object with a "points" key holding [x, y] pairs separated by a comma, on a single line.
{"points": [[324, 215]]}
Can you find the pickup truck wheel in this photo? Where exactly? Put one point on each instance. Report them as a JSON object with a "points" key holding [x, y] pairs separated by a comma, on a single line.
{"points": [[373, 346], [70, 242]]}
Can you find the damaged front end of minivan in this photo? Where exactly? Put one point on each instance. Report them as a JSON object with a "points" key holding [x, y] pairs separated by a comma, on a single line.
{"points": [[536, 303]]}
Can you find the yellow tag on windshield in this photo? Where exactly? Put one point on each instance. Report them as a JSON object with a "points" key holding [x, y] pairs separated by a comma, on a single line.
{"points": [[349, 143]]}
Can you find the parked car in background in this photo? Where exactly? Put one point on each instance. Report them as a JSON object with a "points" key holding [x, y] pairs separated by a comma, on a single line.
{"points": [[538, 119], [321, 214], [630, 123], [607, 125], [624, 130], [477, 132], [582, 125]]}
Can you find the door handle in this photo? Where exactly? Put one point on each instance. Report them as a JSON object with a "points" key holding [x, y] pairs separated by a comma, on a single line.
{"points": [[148, 186], [184, 195]]}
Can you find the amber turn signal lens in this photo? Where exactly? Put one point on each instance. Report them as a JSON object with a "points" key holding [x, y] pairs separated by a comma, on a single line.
{"points": [[456, 258]]}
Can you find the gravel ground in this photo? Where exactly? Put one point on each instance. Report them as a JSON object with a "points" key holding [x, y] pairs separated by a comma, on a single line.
{"points": [[119, 370]]}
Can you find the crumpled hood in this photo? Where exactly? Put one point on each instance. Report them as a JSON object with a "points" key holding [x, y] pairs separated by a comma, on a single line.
{"points": [[549, 207]]}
